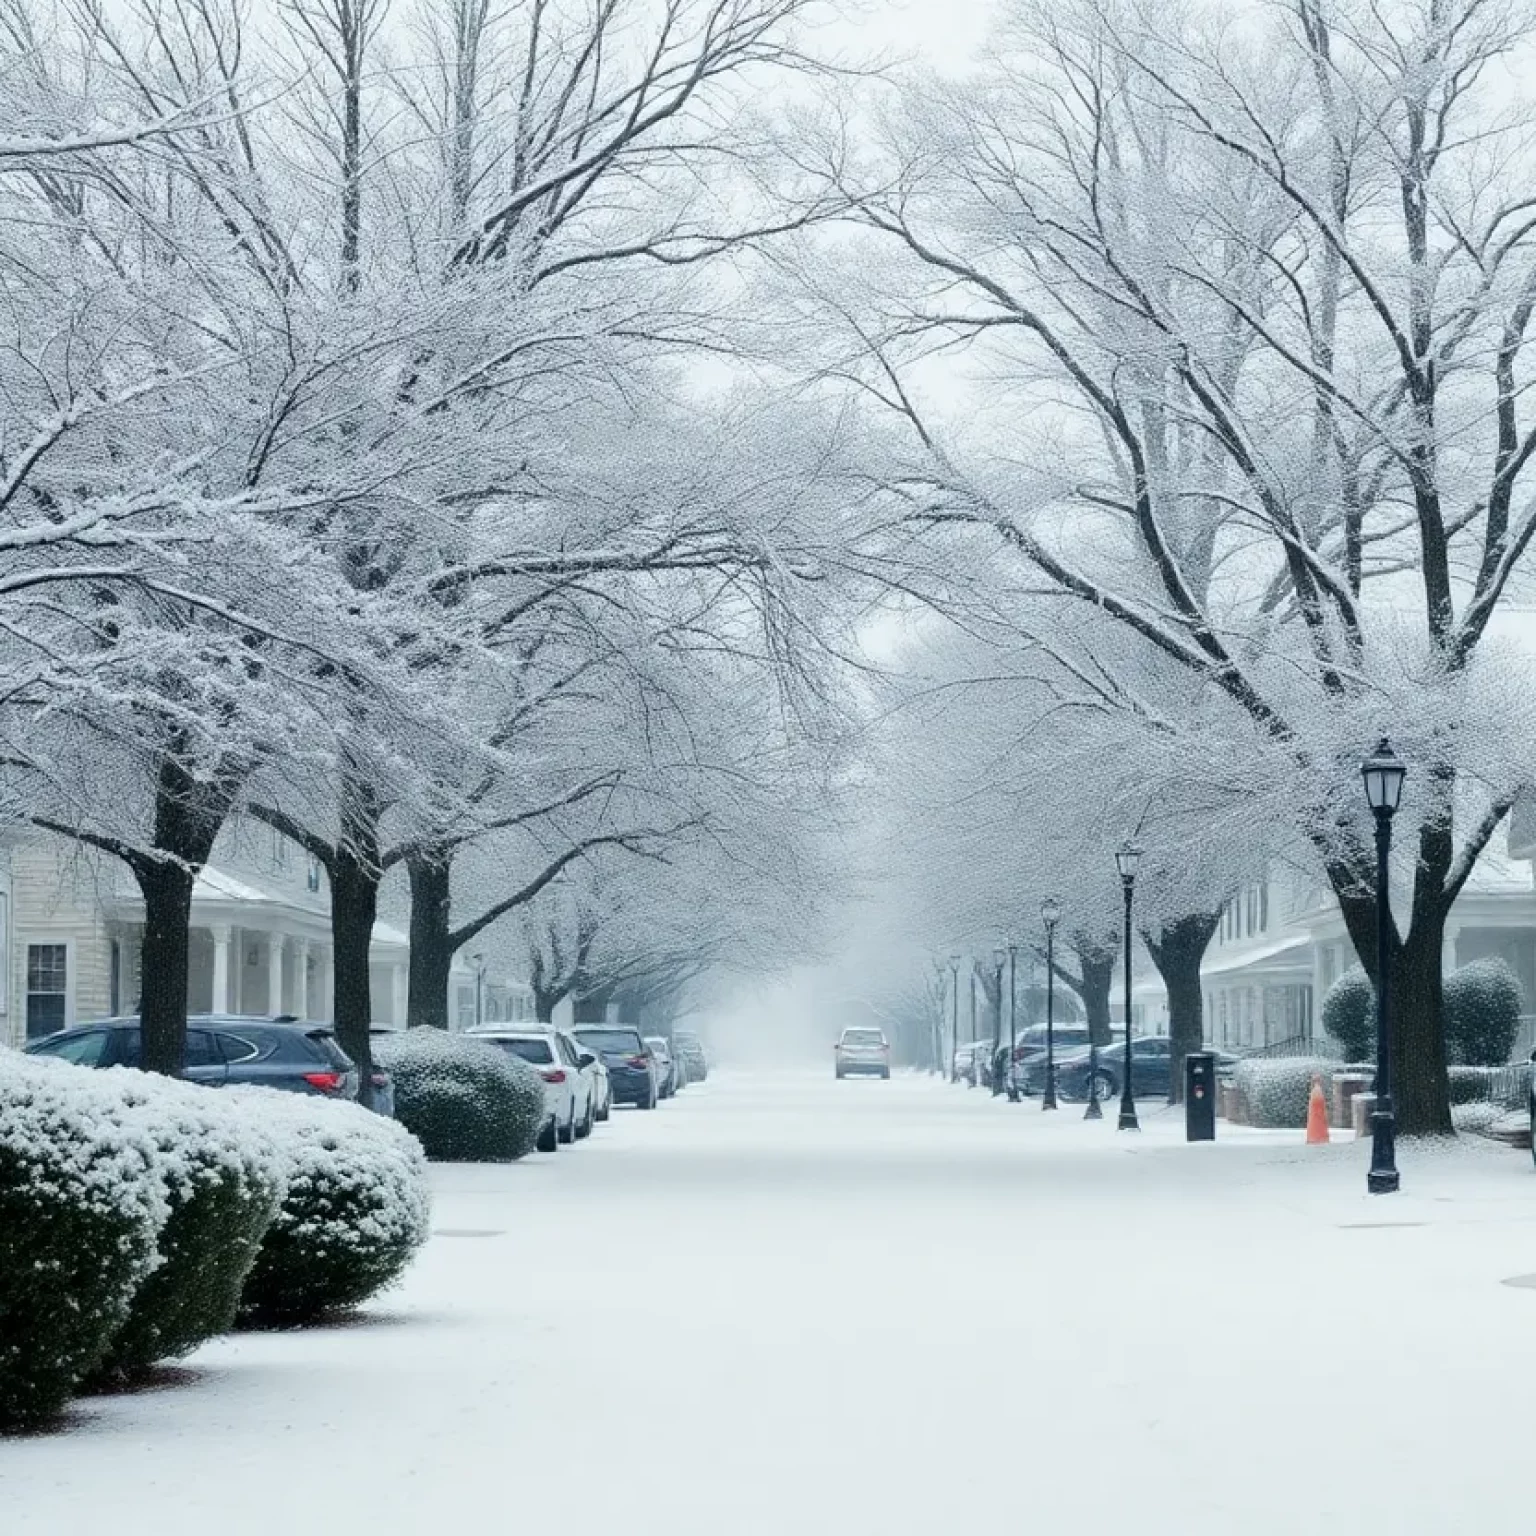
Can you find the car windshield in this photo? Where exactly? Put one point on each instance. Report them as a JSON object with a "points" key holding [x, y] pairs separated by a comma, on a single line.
{"points": [[614, 1042], [658, 1045], [863, 1037], [539, 1052]]}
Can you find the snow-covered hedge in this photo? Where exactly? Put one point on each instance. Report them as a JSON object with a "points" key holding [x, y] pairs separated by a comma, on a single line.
{"points": [[1349, 1013], [1482, 1013], [82, 1205], [224, 1181], [468, 1101], [355, 1210], [1276, 1092]]}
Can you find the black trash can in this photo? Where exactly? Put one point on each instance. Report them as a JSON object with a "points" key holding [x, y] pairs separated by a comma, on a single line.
{"points": [[1200, 1096]]}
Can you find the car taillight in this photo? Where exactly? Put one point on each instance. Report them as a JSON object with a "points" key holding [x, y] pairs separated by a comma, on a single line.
{"points": [[554, 1075], [639, 1063], [326, 1082]]}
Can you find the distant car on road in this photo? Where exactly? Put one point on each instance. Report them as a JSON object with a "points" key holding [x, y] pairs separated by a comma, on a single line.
{"points": [[862, 1052], [631, 1066], [291, 1055]]}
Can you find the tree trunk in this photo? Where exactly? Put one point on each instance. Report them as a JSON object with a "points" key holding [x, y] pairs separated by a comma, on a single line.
{"points": [[431, 941], [1096, 964], [1421, 1093], [545, 1001], [188, 814], [167, 891], [1177, 950], [355, 876]]}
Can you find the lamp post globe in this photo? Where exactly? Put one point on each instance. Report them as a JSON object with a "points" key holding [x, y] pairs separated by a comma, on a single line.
{"points": [[1383, 773], [1128, 861], [1050, 915]]}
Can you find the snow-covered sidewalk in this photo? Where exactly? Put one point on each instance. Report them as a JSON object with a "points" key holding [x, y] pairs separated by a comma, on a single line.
{"points": [[784, 1304]]}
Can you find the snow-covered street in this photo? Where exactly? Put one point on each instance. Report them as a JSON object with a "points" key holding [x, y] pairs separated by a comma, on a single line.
{"points": [[784, 1304]]}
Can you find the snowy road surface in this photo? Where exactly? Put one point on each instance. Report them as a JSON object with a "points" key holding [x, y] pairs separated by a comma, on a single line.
{"points": [[792, 1306]]}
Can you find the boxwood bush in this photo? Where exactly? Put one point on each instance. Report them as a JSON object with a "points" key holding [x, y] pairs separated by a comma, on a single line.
{"points": [[355, 1208], [224, 1183], [81, 1209], [1349, 1013], [1277, 1091], [1482, 1013], [466, 1100]]}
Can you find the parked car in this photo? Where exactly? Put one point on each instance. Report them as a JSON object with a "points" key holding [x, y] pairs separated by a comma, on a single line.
{"points": [[1151, 1067], [557, 1059], [596, 1069], [631, 1066], [1029, 1053], [292, 1055], [692, 1049], [666, 1065], [862, 1052]]}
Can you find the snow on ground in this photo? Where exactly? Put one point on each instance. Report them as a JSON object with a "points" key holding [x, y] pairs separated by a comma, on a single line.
{"points": [[787, 1305]]}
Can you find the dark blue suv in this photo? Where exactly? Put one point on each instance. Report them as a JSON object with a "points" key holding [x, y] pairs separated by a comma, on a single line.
{"points": [[224, 1048], [632, 1071]]}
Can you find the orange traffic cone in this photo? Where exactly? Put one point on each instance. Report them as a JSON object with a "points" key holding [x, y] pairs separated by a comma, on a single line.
{"points": [[1317, 1114]]}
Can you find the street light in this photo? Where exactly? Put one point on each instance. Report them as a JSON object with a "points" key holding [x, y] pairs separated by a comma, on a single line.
{"points": [[999, 960], [1013, 1020], [1383, 773], [1050, 915], [954, 995], [1128, 859]]}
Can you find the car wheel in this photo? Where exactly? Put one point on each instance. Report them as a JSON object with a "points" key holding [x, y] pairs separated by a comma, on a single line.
{"points": [[549, 1139], [648, 1102], [885, 1075], [585, 1128], [568, 1131], [1104, 1087], [605, 1111], [841, 1074]]}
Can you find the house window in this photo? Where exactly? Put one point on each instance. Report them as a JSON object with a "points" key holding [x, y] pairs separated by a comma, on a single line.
{"points": [[1264, 907], [47, 989], [5, 951], [279, 850], [312, 873], [115, 977]]}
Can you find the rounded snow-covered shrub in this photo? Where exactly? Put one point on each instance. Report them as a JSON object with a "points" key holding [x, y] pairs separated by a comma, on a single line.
{"points": [[81, 1208], [1277, 1091], [466, 1100], [1349, 1014], [355, 1208], [224, 1182], [1482, 1013]]}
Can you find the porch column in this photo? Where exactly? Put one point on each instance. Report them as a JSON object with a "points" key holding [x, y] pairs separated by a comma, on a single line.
{"points": [[399, 994], [301, 989], [275, 973], [221, 939]]}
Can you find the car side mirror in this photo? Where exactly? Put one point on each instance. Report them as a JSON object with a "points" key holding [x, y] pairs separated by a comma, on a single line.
{"points": [[586, 1059]]}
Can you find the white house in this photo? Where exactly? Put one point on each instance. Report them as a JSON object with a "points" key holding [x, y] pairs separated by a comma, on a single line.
{"points": [[1282, 944], [71, 920]]}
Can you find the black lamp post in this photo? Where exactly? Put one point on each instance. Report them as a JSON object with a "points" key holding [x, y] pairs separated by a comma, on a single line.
{"points": [[1050, 915], [954, 1037], [1128, 858], [1013, 1021], [478, 961], [1383, 773], [999, 959]]}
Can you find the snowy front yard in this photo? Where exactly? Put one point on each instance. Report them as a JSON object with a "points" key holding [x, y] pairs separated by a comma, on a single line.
{"points": [[791, 1305]]}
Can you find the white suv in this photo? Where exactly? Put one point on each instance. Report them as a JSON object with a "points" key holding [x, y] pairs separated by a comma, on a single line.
{"points": [[556, 1058], [862, 1052]]}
